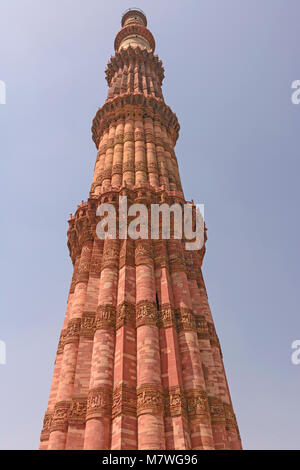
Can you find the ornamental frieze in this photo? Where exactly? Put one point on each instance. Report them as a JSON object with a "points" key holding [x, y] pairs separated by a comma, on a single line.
{"points": [[149, 399], [110, 143], [202, 327], [214, 340], [128, 137], [125, 315], [152, 167], [197, 404], [106, 174], [124, 401], [99, 403], [149, 138], [175, 402], [117, 169], [78, 410], [149, 106], [146, 314], [140, 166], [139, 135], [61, 342], [110, 257], [95, 267], [105, 317], [217, 412], [159, 142], [60, 417], [143, 250], [119, 139], [88, 324], [185, 319], [73, 331], [231, 423], [46, 426], [128, 166], [166, 316]]}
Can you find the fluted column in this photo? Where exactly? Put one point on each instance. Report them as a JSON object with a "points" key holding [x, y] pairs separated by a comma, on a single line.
{"points": [[151, 153], [128, 159], [116, 178], [193, 379], [77, 417], [99, 404], [176, 422], [140, 153], [124, 418], [59, 425], [151, 433]]}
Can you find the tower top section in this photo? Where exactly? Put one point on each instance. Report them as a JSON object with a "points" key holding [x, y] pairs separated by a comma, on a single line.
{"points": [[134, 31], [134, 15]]}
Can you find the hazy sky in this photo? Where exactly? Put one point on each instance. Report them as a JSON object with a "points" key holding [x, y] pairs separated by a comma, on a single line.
{"points": [[229, 66]]}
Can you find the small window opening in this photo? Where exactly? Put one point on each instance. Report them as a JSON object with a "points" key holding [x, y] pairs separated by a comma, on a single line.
{"points": [[157, 302]]}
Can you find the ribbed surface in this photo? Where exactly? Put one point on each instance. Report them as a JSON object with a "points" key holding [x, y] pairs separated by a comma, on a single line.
{"points": [[139, 364]]}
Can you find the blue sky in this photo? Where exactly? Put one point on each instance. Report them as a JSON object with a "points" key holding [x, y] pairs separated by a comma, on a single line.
{"points": [[229, 66]]}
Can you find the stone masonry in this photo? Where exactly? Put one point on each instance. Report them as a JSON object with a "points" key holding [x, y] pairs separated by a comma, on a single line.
{"points": [[138, 364]]}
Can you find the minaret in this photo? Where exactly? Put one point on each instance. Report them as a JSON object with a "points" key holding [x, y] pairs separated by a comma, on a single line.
{"points": [[139, 364]]}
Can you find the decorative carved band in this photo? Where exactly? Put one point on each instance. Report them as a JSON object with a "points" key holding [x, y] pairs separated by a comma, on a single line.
{"points": [[197, 405], [117, 169], [139, 136], [61, 342], [128, 166], [128, 137], [150, 106], [231, 423], [185, 319], [46, 426], [78, 410], [217, 412], [166, 316], [110, 143], [150, 399], [124, 401], [119, 139], [143, 252], [88, 324], [125, 315], [146, 313], [105, 317], [73, 331], [202, 327], [99, 402], [175, 402], [60, 417], [214, 340], [141, 166]]}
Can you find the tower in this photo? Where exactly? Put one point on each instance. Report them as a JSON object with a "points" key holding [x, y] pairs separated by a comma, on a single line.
{"points": [[138, 364]]}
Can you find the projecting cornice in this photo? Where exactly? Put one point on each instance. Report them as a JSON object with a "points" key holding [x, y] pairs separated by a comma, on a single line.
{"points": [[132, 30], [133, 54], [134, 104]]}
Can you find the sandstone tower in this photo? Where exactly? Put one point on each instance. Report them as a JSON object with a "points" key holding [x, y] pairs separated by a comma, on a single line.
{"points": [[139, 364]]}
